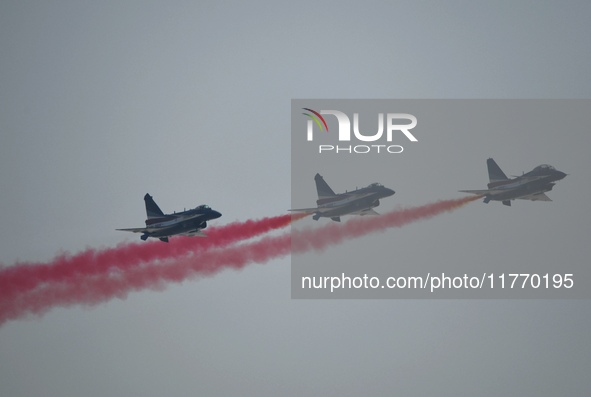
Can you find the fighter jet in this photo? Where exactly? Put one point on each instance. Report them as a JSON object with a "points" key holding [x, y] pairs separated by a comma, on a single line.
{"points": [[358, 202], [529, 186], [186, 223]]}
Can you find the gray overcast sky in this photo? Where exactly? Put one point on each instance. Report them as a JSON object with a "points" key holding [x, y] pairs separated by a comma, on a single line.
{"points": [[102, 102]]}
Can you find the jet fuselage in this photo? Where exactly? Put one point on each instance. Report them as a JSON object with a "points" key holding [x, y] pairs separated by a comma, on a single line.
{"points": [[163, 226], [184, 223], [357, 202], [529, 186], [353, 202]]}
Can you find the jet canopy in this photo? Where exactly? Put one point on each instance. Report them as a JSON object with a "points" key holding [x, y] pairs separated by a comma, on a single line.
{"points": [[544, 168], [376, 185], [203, 207]]}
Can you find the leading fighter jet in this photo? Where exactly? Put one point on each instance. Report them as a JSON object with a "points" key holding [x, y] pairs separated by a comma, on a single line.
{"points": [[359, 201], [529, 186], [186, 223]]}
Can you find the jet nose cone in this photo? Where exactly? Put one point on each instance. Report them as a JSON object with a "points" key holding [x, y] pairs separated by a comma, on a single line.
{"points": [[388, 192], [561, 174], [215, 214]]}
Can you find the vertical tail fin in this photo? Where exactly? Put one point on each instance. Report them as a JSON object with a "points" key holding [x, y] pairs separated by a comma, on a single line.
{"points": [[324, 191], [152, 209], [495, 174]]}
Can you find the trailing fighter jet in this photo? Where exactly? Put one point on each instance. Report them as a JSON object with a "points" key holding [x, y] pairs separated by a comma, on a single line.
{"points": [[529, 186], [186, 223], [358, 202]]}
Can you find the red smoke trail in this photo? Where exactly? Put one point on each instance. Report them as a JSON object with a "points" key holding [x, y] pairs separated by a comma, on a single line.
{"points": [[93, 290], [16, 280], [333, 233], [83, 289]]}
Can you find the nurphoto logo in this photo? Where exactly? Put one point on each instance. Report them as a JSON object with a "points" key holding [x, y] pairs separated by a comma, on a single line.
{"points": [[393, 128]]}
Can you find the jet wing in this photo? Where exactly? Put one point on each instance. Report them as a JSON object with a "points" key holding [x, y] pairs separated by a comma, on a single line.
{"points": [[148, 230], [135, 230], [197, 233], [307, 210], [368, 211], [536, 197], [479, 192]]}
